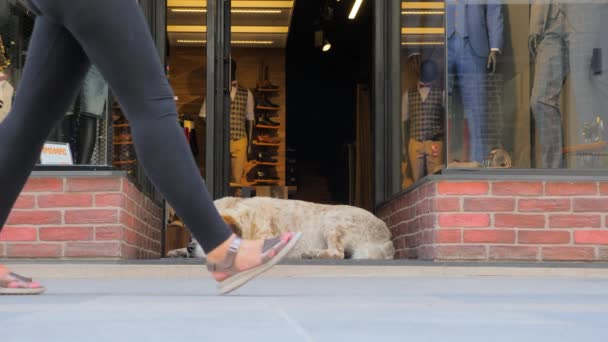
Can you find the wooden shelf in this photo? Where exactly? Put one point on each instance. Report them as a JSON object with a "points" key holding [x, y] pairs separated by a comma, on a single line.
{"points": [[268, 90], [255, 162], [125, 162], [274, 109], [267, 127], [274, 181], [255, 142], [122, 143], [121, 125]]}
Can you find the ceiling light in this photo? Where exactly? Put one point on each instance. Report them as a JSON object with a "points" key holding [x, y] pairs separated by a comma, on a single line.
{"points": [[355, 10], [191, 41], [253, 42], [234, 10], [326, 46], [423, 12], [422, 43]]}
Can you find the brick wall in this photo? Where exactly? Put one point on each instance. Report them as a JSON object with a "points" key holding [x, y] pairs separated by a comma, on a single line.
{"points": [[94, 217], [501, 220]]}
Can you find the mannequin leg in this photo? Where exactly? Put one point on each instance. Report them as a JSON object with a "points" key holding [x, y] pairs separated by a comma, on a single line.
{"points": [[87, 137]]}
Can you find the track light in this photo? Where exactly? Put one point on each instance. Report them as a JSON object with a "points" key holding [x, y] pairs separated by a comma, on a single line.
{"points": [[355, 10], [326, 45]]}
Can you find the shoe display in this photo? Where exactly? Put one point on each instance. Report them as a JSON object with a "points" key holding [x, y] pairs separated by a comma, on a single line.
{"points": [[264, 102], [267, 122], [267, 139], [265, 158]]}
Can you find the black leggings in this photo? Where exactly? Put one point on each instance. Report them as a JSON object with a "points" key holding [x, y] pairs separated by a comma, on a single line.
{"points": [[113, 34]]}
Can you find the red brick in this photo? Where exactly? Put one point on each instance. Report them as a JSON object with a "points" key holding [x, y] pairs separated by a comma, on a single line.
{"points": [[448, 236], [543, 237], [544, 205], [570, 189], [18, 234], [519, 221], [65, 201], [109, 200], [513, 253], [25, 202], [93, 249], [604, 188], [517, 188], [130, 252], [489, 204], [2, 250], [36, 217], [92, 184], [575, 221], [44, 185], [33, 250], [422, 207], [66, 233], [460, 252], [464, 220], [591, 237], [489, 236], [91, 216], [131, 237], [463, 188], [591, 205], [109, 233], [127, 219], [567, 253]]}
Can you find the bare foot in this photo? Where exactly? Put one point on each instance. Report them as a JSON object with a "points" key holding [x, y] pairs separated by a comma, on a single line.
{"points": [[248, 256]]}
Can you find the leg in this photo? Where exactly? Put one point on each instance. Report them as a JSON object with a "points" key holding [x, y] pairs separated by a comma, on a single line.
{"points": [[87, 137], [55, 68], [472, 84], [117, 39], [238, 151], [416, 155], [335, 246], [550, 73], [434, 156]]}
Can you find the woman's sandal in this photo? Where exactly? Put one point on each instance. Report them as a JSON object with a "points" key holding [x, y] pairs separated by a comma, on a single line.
{"points": [[272, 252], [14, 284]]}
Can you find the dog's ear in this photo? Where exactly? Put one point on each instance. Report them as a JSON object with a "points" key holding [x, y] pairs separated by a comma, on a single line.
{"points": [[234, 226]]}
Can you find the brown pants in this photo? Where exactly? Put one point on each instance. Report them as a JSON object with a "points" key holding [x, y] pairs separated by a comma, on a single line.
{"points": [[238, 158], [426, 157]]}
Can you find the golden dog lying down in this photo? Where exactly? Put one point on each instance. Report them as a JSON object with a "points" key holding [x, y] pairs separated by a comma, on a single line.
{"points": [[328, 231]]}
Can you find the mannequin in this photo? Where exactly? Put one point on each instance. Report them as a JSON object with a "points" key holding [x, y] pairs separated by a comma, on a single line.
{"points": [[241, 125], [422, 117], [81, 129], [475, 40], [564, 38]]}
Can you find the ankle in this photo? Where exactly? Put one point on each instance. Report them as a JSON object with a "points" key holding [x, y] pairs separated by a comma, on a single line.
{"points": [[219, 252]]}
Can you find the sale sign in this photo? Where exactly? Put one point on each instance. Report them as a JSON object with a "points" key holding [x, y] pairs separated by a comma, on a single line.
{"points": [[56, 154]]}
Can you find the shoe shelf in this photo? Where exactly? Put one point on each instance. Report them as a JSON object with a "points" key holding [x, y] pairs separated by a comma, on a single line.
{"points": [[255, 142], [268, 90], [125, 162], [255, 162], [120, 125], [122, 143], [275, 109], [268, 127]]}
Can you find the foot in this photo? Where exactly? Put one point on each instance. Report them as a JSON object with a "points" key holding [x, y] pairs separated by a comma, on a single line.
{"points": [[11, 283], [249, 255]]}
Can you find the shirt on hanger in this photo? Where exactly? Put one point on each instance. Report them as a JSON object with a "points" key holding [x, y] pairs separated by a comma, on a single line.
{"points": [[250, 103]]}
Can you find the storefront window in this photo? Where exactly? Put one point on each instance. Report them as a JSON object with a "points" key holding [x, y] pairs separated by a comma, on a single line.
{"points": [[82, 134], [524, 85], [423, 97]]}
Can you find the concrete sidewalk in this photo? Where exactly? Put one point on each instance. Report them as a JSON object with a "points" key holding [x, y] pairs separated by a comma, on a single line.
{"points": [[97, 302]]}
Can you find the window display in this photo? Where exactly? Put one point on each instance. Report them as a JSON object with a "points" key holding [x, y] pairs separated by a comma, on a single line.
{"points": [[526, 83]]}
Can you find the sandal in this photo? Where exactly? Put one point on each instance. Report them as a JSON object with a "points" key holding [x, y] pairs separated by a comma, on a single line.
{"points": [[14, 284], [272, 252]]}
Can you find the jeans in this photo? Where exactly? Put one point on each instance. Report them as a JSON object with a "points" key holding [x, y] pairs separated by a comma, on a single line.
{"points": [[468, 72], [113, 34]]}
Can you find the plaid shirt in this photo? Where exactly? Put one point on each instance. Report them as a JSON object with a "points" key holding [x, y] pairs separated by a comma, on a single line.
{"points": [[238, 115], [426, 117]]}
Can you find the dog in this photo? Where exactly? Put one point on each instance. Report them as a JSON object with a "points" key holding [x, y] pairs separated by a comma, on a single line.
{"points": [[328, 231]]}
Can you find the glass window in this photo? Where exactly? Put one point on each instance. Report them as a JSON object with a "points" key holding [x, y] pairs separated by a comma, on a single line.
{"points": [[514, 85], [527, 84], [84, 128], [423, 96]]}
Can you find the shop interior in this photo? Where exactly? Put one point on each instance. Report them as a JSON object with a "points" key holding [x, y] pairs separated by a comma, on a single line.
{"points": [[300, 99]]}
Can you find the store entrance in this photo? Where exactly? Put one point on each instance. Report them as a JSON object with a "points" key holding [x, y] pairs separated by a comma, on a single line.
{"points": [[298, 109]]}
